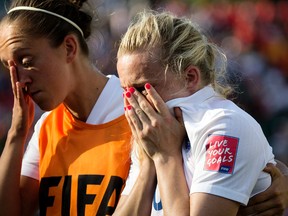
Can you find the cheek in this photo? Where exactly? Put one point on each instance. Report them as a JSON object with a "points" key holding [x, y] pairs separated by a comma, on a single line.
{"points": [[163, 93], [170, 92]]}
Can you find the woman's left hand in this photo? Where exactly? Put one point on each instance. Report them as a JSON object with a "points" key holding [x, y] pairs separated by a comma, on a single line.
{"points": [[153, 126]]}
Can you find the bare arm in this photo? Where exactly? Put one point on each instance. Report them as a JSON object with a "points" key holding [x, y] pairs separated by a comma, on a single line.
{"points": [[161, 136], [29, 190], [203, 204], [172, 185], [139, 201], [11, 158], [10, 176]]}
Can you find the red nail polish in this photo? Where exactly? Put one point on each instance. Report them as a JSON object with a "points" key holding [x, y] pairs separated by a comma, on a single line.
{"points": [[129, 107], [124, 108], [147, 86], [131, 90], [128, 94]]}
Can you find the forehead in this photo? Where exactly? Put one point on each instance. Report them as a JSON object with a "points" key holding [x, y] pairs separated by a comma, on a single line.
{"points": [[12, 39], [138, 68]]}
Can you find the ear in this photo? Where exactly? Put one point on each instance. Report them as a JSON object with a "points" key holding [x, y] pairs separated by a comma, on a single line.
{"points": [[193, 78], [71, 47]]}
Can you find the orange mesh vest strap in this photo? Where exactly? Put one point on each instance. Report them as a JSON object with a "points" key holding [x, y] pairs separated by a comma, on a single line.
{"points": [[83, 167]]}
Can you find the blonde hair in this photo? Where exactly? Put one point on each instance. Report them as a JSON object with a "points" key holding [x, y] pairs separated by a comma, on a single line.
{"points": [[180, 44]]}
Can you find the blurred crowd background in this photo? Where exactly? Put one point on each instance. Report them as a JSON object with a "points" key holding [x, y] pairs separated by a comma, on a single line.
{"points": [[252, 33]]}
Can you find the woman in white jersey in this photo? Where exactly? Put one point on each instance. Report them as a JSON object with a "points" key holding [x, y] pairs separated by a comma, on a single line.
{"points": [[79, 156], [220, 164]]}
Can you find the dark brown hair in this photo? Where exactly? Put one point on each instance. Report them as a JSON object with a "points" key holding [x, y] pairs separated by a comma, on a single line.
{"points": [[38, 24]]}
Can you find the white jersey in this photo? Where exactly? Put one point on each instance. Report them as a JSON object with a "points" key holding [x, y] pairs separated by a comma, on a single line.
{"points": [[109, 106], [225, 153]]}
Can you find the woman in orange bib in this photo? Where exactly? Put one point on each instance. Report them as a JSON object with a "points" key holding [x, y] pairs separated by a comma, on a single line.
{"points": [[79, 155]]}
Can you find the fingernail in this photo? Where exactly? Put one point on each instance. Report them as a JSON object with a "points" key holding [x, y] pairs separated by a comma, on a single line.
{"points": [[128, 94], [124, 108], [131, 90], [148, 86], [129, 107]]}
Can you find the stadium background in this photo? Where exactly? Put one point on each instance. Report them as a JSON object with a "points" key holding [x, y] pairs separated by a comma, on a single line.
{"points": [[252, 33]]}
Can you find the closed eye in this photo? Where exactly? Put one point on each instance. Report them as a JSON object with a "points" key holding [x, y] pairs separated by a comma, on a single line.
{"points": [[140, 89]]}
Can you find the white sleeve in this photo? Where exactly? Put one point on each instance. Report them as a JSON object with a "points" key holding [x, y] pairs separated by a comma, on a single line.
{"points": [[30, 162], [133, 174], [229, 159]]}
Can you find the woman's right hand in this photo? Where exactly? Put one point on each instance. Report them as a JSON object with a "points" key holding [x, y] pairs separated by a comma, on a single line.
{"points": [[22, 191], [23, 107]]}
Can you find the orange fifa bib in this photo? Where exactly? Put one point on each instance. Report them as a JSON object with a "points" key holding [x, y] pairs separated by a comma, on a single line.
{"points": [[83, 167]]}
